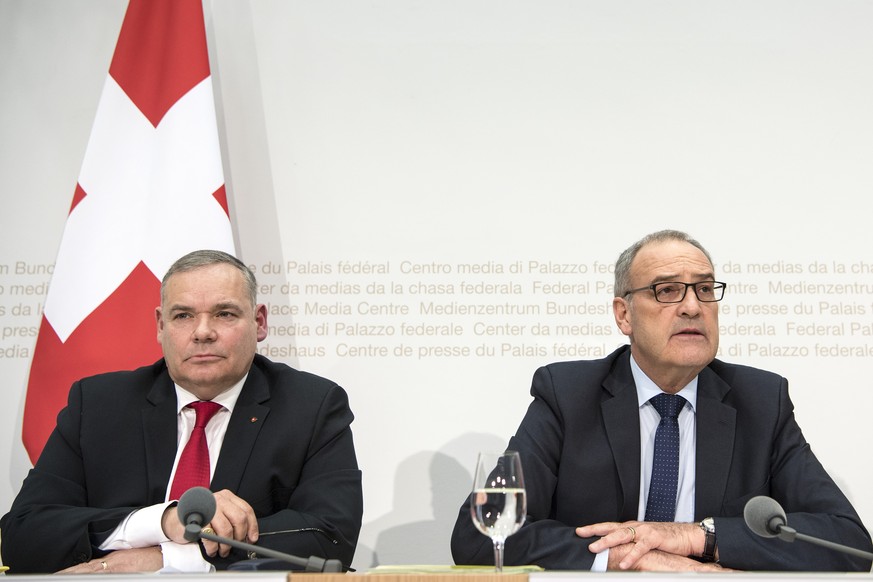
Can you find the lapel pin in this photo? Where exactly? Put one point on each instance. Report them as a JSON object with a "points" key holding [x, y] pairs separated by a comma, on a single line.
{"points": [[254, 419]]}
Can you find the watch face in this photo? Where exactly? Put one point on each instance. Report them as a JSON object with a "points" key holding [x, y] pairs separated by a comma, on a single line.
{"points": [[708, 527]]}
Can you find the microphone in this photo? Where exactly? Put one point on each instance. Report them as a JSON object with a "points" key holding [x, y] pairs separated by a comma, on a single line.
{"points": [[765, 517], [197, 507]]}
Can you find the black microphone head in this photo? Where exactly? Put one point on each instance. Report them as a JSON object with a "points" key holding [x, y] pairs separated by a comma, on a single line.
{"points": [[197, 505], [764, 516]]}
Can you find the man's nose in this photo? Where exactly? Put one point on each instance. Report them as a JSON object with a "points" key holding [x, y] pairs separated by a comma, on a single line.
{"points": [[690, 304], [204, 330]]}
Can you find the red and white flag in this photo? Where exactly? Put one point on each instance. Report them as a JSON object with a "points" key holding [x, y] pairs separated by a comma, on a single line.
{"points": [[151, 189]]}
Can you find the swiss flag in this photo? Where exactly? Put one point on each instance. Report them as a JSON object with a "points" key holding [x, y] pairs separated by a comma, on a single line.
{"points": [[151, 189]]}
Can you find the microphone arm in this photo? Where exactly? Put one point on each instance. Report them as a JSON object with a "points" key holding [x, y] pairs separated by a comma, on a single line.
{"points": [[197, 507], [313, 564], [765, 517], [789, 534]]}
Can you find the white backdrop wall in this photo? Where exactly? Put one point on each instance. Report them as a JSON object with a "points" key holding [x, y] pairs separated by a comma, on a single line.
{"points": [[460, 176]]}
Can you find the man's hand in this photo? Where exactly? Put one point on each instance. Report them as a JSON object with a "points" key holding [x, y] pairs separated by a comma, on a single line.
{"points": [[234, 518], [659, 561], [133, 560], [680, 539]]}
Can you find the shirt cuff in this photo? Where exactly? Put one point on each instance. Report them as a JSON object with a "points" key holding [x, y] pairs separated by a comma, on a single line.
{"points": [[184, 558], [601, 561], [140, 529]]}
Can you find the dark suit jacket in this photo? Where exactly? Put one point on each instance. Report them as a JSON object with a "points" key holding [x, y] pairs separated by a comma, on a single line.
{"points": [[288, 452], [580, 449]]}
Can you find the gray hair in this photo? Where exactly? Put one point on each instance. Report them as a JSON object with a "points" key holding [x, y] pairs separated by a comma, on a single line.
{"points": [[205, 258], [623, 264]]}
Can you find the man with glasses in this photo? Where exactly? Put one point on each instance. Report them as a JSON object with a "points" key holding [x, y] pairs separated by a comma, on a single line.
{"points": [[644, 460]]}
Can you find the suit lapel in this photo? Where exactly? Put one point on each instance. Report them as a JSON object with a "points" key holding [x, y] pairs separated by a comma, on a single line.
{"points": [[716, 427], [245, 423], [159, 435], [622, 422]]}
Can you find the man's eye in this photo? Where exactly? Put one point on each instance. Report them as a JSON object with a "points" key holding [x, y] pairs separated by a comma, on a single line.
{"points": [[666, 290], [182, 316]]}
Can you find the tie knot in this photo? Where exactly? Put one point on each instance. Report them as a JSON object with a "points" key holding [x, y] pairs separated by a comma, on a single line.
{"points": [[205, 410], [668, 405]]}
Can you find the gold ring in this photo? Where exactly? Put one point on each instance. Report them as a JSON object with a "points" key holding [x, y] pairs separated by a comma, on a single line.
{"points": [[208, 530], [104, 564], [633, 533]]}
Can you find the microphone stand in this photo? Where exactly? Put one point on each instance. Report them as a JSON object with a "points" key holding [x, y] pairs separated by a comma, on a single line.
{"points": [[789, 534], [313, 564]]}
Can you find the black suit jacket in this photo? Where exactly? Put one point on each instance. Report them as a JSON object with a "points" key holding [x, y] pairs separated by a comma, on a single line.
{"points": [[580, 449], [288, 452]]}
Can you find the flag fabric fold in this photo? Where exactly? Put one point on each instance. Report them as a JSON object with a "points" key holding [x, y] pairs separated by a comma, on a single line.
{"points": [[151, 188]]}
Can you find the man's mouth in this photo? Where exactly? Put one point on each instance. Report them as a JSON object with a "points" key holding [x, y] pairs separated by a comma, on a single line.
{"points": [[203, 357]]}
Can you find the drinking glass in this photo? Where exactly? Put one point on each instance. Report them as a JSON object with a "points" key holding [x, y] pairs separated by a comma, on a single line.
{"points": [[498, 504]]}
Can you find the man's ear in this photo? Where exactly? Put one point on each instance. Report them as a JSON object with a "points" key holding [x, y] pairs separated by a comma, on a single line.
{"points": [[261, 319], [621, 311], [159, 322]]}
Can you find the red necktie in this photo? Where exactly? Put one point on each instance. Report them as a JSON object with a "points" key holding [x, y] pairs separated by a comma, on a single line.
{"points": [[193, 468]]}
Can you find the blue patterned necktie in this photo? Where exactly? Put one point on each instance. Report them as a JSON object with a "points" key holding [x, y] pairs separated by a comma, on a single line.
{"points": [[661, 505]]}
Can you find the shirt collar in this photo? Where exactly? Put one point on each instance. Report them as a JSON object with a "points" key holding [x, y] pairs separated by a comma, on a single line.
{"points": [[227, 399], [646, 388]]}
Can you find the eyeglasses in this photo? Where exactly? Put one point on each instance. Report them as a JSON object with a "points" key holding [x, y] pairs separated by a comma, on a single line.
{"points": [[674, 291]]}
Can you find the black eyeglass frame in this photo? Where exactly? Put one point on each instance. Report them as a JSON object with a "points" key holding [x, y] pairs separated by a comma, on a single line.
{"points": [[716, 286]]}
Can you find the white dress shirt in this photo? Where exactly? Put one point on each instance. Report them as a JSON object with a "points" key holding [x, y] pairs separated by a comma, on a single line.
{"points": [[649, 419]]}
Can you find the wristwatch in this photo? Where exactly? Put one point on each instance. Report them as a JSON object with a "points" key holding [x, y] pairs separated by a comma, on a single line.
{"points": [[708, 527]]}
